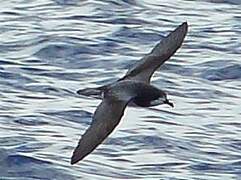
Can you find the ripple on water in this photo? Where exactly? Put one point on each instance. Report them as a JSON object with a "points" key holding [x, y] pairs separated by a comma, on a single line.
{"points": [[231, 72], [235, 2], [27, 167], [31, 120], [80, 116], [18, 160]]}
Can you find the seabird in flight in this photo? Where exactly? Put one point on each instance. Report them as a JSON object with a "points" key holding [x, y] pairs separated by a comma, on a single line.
{"points": [[133, 88]]}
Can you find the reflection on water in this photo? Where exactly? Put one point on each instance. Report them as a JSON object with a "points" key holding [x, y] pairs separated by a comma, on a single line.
{"points": [[50, 49]]}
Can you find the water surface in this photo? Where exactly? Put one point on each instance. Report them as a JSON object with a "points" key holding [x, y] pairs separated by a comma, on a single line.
{"points": [[51, 48]]}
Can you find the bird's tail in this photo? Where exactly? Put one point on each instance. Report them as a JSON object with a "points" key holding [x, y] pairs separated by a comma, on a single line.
{"points": [[92, 92]]}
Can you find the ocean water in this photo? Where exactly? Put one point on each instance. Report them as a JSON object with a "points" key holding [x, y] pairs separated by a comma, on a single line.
{"points": [[51, 48]]}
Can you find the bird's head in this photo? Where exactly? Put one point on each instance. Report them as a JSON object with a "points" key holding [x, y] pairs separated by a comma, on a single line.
{"points": [[161, 98], [151, 97]]}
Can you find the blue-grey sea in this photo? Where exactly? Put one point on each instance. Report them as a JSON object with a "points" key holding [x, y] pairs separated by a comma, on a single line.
{"points": [[51, 48]]}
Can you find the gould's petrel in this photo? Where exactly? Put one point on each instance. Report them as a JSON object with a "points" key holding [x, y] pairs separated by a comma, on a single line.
{"points": [[133, 88]]}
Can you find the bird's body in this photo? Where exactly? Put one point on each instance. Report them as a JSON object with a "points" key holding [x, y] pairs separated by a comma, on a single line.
{"points": [[134, 88], [108, 114]]}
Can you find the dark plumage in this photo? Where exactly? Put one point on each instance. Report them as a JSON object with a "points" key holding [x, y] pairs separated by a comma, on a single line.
{"points": [[146, 66], [134, 87], [108, 114]]}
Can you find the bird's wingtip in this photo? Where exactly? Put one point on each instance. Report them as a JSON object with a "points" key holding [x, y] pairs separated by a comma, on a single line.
{"points": [[74, 159], [72, 162], [185, 25], [78, 154]]}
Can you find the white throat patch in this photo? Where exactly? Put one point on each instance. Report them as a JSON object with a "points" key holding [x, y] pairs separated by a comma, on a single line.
{"points": [[157, 101]]}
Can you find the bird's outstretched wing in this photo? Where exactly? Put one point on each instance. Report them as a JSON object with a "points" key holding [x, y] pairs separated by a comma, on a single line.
{"points": [[106, 117], [143, 69], [108, 114]]}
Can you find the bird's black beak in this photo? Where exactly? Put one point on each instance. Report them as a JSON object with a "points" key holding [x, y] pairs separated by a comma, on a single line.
{"points": [[169, 103]]}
